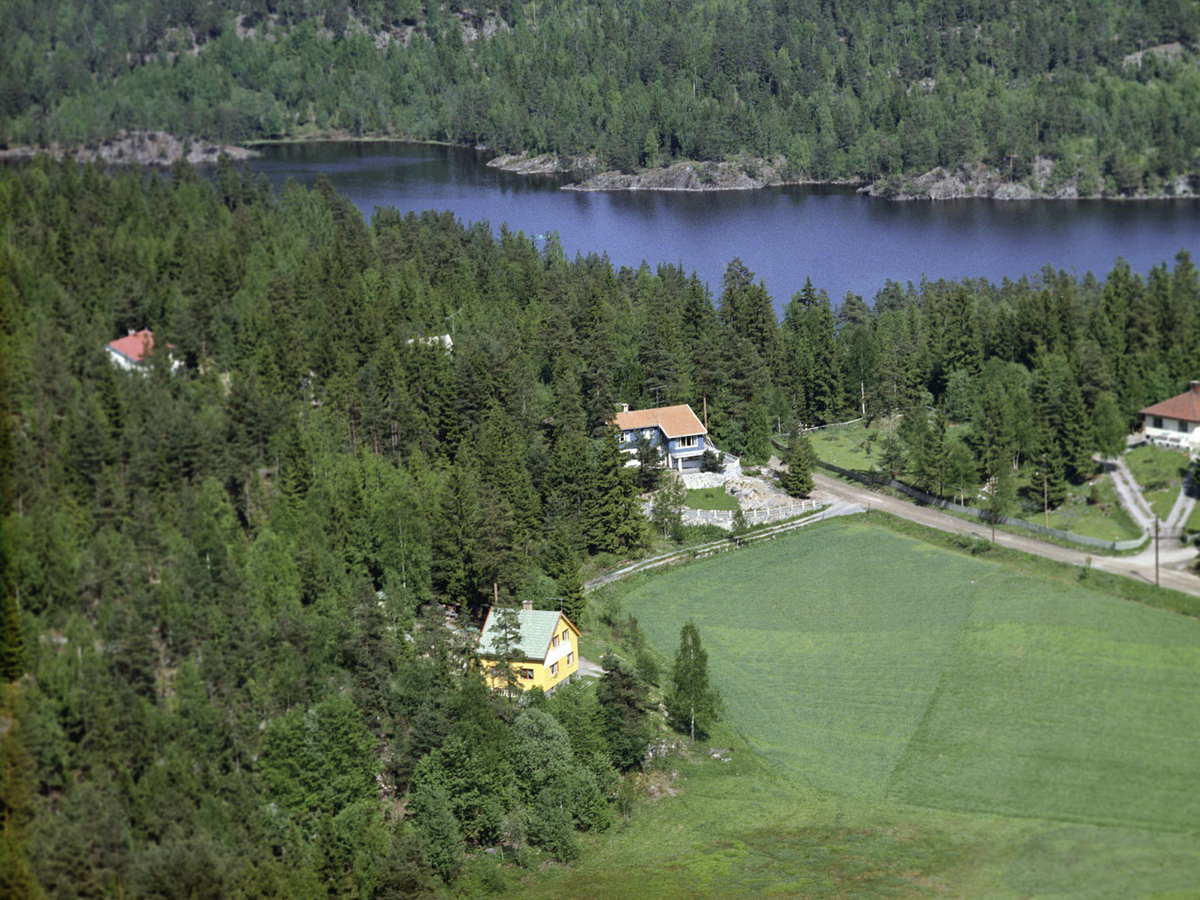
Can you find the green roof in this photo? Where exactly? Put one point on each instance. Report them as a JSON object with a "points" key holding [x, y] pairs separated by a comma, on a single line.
{"points": [[537, 627]]}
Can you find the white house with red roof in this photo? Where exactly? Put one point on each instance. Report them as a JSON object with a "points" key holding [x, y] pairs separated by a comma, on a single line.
{"points": [[1175, 422], [675, 430], [133, 351]]}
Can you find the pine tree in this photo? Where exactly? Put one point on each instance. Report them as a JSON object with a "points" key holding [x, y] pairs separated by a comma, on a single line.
{"points": [[692, 705]]}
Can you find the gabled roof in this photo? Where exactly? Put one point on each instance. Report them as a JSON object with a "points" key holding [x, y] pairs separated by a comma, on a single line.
{"points": [[135, 347], [675, 421], [537, 627], [1185, 407]]}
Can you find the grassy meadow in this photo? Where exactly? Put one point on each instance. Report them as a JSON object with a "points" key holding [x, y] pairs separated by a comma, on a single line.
{"points": [[906, 720]]}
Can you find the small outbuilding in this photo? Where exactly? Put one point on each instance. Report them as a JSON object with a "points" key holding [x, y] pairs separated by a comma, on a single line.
{"points": [[132, 352], [547, 651], [1175, 422]]}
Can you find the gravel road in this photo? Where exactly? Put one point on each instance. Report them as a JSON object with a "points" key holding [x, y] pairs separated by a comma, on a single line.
{"points": [[1174, 561]]}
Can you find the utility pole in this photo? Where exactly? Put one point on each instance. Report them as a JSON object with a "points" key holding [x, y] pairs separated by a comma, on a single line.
{"points": [[1156, 551], [1045, 495]]}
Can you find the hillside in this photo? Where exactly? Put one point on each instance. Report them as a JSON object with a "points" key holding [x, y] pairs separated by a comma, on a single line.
{"points": [[935, 724], [1107, 93], [238, 579]]}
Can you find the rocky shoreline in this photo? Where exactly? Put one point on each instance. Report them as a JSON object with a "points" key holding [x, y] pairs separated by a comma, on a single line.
{"points": [[745, 173], [137, 148], [975, 181]]}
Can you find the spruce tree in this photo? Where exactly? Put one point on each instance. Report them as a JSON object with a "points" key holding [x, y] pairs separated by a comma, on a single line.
{"points": [[611, 510], [692, 705], [12, 638], [1075, 434], [935, 456], [507, 646], [624, 712], [758, 433], [798, 479]]}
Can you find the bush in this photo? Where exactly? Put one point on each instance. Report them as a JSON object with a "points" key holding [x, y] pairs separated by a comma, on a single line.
{"points": [[711, 462]]}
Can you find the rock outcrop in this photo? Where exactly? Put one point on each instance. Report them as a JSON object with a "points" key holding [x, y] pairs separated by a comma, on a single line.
{"points": [[979, 180], [140, 148]]}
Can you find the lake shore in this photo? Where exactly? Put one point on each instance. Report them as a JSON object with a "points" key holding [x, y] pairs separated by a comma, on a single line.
{"points": [[747, 173], [137, 148]]}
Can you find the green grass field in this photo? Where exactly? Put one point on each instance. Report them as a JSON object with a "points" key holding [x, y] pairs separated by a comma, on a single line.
{"points": [[711, 498], [911, 721], [1160, 473], [1106, 520]]}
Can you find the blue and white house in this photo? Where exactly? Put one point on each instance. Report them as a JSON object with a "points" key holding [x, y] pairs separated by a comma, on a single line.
{"points": [[674, 430]]}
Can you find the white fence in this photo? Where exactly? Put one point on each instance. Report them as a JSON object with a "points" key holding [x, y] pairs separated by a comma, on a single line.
{"points": [[723, 518]]}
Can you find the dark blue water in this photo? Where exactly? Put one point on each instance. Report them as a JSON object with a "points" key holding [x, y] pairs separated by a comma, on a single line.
{"points": [[843, 241]]}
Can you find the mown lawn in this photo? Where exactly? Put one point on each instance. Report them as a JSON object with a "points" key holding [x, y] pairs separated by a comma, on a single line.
{"points": [[1106, 520], [912, 721], [711, 498], [1160, 473]]}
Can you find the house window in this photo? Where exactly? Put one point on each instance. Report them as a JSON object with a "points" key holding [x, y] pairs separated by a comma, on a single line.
{"points": [[1183, 427], [565, 635], [554, 671], [527, 674], [648, 433], [554, 641], [570, 658], [626, 437], [1158, 422], [685, 442]]}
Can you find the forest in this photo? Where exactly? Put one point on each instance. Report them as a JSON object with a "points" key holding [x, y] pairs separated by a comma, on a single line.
{"points": [[224, 633], [1107, 93]]}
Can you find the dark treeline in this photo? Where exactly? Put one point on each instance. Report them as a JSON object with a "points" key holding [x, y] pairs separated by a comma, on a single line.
{"points": [[219, 580], [868, 91]]}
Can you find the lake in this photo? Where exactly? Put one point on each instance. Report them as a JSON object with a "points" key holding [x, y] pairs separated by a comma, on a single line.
{"points": [[840, 239]]}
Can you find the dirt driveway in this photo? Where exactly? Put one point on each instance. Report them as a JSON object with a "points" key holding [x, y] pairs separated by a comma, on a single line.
{"points": [[1174, 561]]}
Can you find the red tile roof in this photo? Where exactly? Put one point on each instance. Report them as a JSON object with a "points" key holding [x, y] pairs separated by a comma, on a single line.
{"points": [[675, 421], [1185, 407], [137, 346]]}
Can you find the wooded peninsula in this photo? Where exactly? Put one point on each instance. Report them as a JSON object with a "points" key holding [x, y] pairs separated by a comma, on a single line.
{"points": [[915, 99]]}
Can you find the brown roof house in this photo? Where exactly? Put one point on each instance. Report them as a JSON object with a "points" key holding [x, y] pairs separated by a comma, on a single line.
{"points": [[1176, 422], [675, 430]]}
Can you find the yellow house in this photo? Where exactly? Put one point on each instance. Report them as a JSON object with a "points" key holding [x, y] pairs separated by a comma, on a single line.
{"points": [[548, 649]]}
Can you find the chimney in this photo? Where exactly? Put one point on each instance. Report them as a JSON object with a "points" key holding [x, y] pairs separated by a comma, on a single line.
{"points": [[1195, 387], [527, 605], [625, 406]]}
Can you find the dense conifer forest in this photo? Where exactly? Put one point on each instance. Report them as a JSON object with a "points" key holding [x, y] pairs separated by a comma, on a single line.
{"points": [[229, 668], [1107, 92]]}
